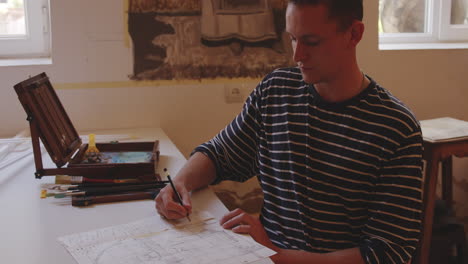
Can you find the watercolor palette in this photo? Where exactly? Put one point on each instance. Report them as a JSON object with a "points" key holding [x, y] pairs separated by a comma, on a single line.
{"points": [[126, 157]]}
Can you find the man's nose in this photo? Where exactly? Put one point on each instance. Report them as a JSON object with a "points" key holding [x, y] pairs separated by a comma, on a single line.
{"points": [[299, 52]]}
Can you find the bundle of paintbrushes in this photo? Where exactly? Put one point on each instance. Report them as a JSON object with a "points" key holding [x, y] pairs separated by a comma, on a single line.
{"points": [[87, 193]]}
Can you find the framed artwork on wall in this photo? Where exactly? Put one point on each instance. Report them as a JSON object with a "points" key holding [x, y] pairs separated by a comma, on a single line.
{"points": [[206, 39]]}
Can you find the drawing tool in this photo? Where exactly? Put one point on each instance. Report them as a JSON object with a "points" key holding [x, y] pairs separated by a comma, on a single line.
{"points": [[83, 186], [177, 195], [65, 179], [106, 190], [118, 185], [86, 200]]}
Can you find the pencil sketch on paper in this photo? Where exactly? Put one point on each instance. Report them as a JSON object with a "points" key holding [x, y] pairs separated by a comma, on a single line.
{"points": [[152, 240], [195, 39]]}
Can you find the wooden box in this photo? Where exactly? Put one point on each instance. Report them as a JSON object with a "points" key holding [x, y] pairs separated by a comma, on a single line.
{"points": [[49, 122]]}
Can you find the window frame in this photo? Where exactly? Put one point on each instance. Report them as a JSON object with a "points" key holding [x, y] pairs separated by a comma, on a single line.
{"points": [[439, 32], [449, 31], [36, 43]]}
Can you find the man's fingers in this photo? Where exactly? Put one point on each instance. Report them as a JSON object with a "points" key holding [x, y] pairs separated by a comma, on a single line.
{"points": [[175, 215], [235, 218], [242, 229], [229, 215], [186, 200], [238, 221], [167, 206], [172, 213], [241, 222]]}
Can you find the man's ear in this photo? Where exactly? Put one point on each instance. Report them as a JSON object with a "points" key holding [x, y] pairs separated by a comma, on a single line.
{"points": [[357, 31]]}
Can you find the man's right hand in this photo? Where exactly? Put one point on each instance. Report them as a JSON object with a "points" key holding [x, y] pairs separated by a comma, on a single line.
{"points": [[198, 172], [167, 204]]}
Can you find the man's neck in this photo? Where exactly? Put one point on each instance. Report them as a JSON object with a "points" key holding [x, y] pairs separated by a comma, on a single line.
{"points": [[343, 87]]}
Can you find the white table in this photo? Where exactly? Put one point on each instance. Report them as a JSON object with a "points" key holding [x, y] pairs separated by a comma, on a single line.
{"points": [[29, 226]]}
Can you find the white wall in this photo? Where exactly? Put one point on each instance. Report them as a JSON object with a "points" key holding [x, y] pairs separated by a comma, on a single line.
{"points": [[89, 47]]}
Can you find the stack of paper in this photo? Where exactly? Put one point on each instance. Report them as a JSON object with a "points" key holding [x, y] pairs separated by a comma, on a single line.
{"points": [[444, 129]]}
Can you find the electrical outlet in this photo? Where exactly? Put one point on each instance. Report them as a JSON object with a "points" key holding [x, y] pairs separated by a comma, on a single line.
{"points": [[233, 93]]}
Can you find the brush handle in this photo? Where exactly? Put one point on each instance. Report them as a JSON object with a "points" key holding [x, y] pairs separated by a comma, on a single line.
{"points": [[109, 190], [119, 189], [90, 185], [86, 200], [92, 141]]}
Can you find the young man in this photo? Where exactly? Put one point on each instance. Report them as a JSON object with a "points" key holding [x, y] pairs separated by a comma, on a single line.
{"points": [[338, 157]]}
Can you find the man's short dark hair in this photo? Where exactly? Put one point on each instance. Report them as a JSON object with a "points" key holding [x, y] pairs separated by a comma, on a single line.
{"points": [[344, 11]]}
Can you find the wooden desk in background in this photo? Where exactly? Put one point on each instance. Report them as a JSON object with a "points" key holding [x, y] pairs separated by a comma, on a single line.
{"points": [[30, 226], [437, 150]]}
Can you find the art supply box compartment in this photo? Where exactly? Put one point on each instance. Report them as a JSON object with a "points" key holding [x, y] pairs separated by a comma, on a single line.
{"points": [[50, 123]]}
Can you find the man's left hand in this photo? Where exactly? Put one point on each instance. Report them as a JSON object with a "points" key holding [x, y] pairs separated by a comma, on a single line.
{"points": [[241, 222]]}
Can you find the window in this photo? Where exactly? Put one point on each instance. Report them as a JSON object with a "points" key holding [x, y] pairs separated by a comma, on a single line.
{"points": [[412, 24], [24, 29]]}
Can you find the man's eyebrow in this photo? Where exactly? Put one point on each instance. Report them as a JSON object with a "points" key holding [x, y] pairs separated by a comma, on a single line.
{"points": [[306, 36], [310, 36]]}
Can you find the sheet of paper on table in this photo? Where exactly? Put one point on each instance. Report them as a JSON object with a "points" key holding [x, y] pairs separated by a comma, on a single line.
{"points": [[155, 240], [444, 129]]}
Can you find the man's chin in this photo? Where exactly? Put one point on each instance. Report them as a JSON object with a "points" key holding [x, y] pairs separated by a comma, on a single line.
{"points": [[309, 79]]}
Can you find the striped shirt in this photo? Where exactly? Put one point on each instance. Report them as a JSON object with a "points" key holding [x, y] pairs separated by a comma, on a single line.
{"points": [[334, 175]]}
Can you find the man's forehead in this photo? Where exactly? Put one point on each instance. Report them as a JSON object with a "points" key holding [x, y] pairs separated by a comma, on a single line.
{"points": [[308, 13], [310, 20], [319, 7]]}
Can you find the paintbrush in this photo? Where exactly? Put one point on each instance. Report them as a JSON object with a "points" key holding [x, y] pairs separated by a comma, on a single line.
{"points": [[106, 190], [86, 200], [88, 185], [65, 179]]}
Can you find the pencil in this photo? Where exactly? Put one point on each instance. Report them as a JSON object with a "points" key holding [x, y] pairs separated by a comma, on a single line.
{"points": [[177, 195]]}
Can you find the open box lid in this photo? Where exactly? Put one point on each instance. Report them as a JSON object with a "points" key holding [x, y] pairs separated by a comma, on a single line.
{"points": [[48, 118]]}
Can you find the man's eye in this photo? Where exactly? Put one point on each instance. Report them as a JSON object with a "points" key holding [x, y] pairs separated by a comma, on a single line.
{"points": [[312, 43]]}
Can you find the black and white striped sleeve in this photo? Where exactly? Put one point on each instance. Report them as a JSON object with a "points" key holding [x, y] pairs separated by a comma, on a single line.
{"points": [[392, 231], [234, 149]]}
